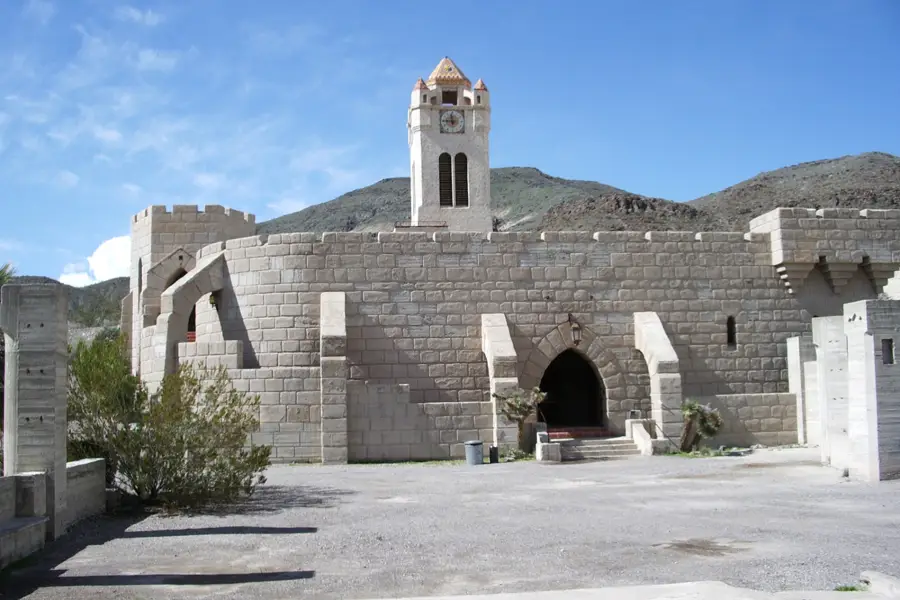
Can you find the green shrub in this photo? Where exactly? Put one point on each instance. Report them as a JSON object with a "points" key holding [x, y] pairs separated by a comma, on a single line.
{"points": [[185, 445], [700, 421], [518, 407]]}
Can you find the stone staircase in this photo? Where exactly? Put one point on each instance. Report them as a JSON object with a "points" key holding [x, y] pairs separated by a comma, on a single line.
{"points": [[598, 448]]}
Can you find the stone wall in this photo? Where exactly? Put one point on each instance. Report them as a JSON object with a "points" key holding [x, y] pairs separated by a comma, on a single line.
{"points": [[384, 424], [414, 302], [85, 489], [767, 419]]}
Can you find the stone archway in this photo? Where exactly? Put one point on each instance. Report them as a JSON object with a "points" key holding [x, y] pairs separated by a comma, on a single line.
{"points": [[604, 363], [575, 393]]}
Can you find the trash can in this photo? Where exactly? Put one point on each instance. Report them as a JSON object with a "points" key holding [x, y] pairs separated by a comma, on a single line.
{"points": [[494, 453], [474, 453]]}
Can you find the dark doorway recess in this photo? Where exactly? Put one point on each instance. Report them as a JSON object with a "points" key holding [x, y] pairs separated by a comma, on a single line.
{"points": [[575, 394]]}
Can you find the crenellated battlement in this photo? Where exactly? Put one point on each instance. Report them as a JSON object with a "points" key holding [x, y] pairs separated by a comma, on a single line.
{"points": [[192, 212], [518, 237], [800, 218]]}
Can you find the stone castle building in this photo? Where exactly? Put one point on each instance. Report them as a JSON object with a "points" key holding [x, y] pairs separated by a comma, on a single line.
{"points": [[390, 345]]}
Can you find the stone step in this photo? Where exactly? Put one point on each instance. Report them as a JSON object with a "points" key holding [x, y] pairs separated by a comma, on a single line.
{"points": [[597, 448], [611, 442], [595, 453]]}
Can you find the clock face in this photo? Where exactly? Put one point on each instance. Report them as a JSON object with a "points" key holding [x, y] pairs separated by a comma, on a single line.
{"points": [[452, 121]]}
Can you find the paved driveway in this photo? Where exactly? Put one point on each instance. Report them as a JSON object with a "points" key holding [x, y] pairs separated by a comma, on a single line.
{"points": [[772, 521]]}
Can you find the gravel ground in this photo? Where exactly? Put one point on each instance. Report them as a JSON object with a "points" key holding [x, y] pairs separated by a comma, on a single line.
{"points": [[774, 520]]}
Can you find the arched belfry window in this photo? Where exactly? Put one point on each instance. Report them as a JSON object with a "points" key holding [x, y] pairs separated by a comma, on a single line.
{"points": [[445, 179], [732, 333], [462, 179]]}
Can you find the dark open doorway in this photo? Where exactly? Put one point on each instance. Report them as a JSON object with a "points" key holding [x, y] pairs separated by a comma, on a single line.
{"points": [[575, 394]]}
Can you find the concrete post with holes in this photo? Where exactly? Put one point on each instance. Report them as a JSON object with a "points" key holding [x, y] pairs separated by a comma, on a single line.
{"points": [[873, 336], [33, 318]]}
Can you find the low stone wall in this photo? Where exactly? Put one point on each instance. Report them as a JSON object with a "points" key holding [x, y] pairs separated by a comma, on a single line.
{"points": [[85, 489], [23, 520], [767, 419], [7, 498], [384, 425]]}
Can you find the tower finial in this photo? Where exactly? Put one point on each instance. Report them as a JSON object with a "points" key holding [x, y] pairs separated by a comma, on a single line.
{"points": [[447, 73]]}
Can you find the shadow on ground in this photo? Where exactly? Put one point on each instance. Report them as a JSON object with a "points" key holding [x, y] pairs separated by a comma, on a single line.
{"points": [[42, 569], [270, 499]]}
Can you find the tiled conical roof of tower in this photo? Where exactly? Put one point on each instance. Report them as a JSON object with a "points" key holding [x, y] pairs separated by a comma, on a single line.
{"points": [[420, 85], [479, 85], [447, 73]]}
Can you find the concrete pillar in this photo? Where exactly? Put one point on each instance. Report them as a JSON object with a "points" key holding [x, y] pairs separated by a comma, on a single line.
{"points": [[831, 366], [34, 322], [873, 365], [800, 353], [334, 375]]}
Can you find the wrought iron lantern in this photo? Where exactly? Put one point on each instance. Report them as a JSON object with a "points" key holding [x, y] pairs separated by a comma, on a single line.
{"points": [[576, 330]]}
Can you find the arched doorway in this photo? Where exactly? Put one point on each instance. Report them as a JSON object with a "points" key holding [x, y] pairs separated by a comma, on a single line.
{"points": [[192, 318], [575, 393]]}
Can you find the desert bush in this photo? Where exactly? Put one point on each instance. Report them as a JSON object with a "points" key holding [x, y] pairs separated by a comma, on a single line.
{"points": [[700, 421], [518, 407], [185, 445]]}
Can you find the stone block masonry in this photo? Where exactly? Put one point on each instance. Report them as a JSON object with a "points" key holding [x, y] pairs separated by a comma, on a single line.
{"points": [[749, 419], [873, 397], [34, 322], [40, 494], [851, 388], [415, 301], [334, 375]]}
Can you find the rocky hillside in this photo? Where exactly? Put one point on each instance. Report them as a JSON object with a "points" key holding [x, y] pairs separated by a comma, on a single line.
{"points": [[870, 180], [92, 306], [527, 199]]}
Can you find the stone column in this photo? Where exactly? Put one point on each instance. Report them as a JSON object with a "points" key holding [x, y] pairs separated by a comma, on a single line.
{"points": [[500, 353], [873, 394], [334, 375], [34, 322], [666, 396], [800, 352], [831, 366]]}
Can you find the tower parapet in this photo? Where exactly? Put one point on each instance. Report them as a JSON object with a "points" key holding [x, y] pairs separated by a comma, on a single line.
{"points": [[156, 234]]}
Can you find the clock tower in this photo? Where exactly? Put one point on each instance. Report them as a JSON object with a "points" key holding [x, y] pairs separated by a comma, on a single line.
{"points": [[449, 122]]}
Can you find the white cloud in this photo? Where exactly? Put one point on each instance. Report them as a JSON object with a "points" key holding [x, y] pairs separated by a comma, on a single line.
{"points": [[107, 134], [130, 13], [132, 188], [39, 10], [67, 179], [156, 60], [208, 181], [111, 259]]}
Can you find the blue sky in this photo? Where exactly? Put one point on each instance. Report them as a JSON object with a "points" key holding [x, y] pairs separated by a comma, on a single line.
{"points": [[273, 105]]}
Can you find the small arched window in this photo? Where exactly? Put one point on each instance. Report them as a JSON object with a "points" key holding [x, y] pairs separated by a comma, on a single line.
{"points": [[462, 180], [445, 179], [732, 333]]}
